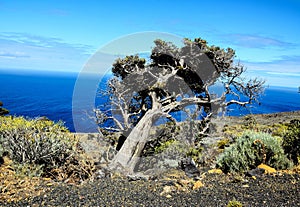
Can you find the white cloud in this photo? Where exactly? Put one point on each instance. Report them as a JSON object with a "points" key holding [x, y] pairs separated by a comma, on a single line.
{"points": [[255, 41], [14, 55], [26, 51], [284, 74], [285, 71], [283, 64]]}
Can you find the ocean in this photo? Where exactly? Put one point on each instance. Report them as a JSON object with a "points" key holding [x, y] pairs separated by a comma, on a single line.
{"points": [[35, 94]]}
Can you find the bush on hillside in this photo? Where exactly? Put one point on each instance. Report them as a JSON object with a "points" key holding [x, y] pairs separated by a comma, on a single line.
{"points": [[291, 141], [36, 142], [41, 147], [252, 149]]}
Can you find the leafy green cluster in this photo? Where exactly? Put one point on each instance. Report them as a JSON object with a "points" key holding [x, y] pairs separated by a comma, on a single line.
{"points": [[174, 140], [28, 170], [37, 142], [291, 141], [160, 138], [252, 149]]}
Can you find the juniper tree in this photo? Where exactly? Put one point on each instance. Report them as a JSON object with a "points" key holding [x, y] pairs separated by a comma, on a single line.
{"points": [[176, 78]]}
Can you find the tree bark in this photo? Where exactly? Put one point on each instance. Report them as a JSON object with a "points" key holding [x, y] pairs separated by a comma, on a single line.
{"points": [[129, 154]]}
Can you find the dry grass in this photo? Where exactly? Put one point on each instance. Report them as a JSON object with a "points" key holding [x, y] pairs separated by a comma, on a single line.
{"points": [[14, 187]]}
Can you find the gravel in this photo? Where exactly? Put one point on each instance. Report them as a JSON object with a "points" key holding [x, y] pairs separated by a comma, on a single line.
{"points": [[219, 189]]}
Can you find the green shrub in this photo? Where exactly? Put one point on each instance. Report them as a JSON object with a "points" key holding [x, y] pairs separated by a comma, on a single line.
{"points": [[252, 149], [221, 144], [175, 140], [291, 141], [27, 170], [250, 122], [36, 142], [44, 148], [195, 153], [279, 130]]}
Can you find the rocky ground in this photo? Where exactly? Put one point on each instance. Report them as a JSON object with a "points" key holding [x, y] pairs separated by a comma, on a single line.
{"points": [[216, 190], [264, 119], [173, 188]]}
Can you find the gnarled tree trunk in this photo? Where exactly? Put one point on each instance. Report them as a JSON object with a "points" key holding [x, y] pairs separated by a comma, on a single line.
{"points": [[129, 154]]}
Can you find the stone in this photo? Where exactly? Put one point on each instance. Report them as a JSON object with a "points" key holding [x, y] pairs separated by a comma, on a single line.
{"points": [[215, 171], [255, 172], [102, 173], [189, 167], [268, 169], [7, 161], [184, 182], [167, 190], [170, 163], [198, 184]]}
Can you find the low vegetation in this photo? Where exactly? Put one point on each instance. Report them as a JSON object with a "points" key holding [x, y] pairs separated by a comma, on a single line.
{"points": [[287, 133], [34, 141], [38, 152], [252, 149], [40, 147], [291, 141]]}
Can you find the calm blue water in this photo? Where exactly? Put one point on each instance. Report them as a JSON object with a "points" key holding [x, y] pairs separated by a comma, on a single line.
{"points": [[50, 94], [38, 94]]}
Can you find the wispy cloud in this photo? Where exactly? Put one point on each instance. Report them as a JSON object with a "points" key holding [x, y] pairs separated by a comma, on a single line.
{"points": [[255, 41], [35, 40], [31, 51], [295, 59], [283, 71], [284, 74], [13, 55], [283, 64]]}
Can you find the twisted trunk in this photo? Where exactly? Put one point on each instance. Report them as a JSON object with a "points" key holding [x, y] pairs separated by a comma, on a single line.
{"points": [[129, 155]]}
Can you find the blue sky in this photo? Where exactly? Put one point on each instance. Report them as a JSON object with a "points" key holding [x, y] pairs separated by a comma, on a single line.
{"points": [[61, 35]]}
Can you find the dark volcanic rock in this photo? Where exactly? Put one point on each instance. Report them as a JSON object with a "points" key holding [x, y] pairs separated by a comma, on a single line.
{"points": [[189, 167], [218, 190], [255, 172]]}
